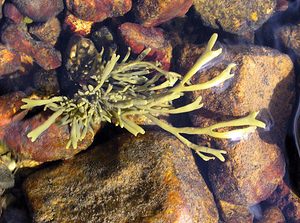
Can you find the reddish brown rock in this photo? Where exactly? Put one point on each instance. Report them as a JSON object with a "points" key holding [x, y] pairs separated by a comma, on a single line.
{"points": [[10, 11], [49, 146], [10, 61], [272, 215], [39, 10], [16, 37], [77, 25], [139, 38], [154, 12], [264, 79], [10, 106], [149, 178], [47, 32], [98, 10]]}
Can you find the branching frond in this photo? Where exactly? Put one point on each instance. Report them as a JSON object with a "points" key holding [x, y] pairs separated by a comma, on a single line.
{"points": [[140, 88]]}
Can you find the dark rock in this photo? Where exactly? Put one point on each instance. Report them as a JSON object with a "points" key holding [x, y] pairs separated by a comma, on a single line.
{"points": [[154, 12], [139, 38], [39, 10], [288, 35], [48, 32], [10, 11], [16, 37], [76, 25], [6, 177], [49, 146], [263, 80], [287, 201], [81, 54], [10, 61], [282, 5], [149, 178], [103, 37], [46, 82], [235, 16], [97, 11]]}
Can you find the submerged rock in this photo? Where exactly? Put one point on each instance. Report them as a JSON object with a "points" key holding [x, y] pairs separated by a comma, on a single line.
{"points": [[154, 12], [10, 11], [138, 38], [149, 178], [10, 61], [97, 11], [254, 166], [46, 82], [288, 36], [235, 16], [47, 32], [49, 146], [81, 54], [76, 25], [10, 107], [287, 201], [45, 55], [272, 215], [39, 10]]}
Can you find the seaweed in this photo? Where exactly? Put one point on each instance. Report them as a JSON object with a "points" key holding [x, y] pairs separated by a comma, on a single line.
{"points": [[120, 89]]}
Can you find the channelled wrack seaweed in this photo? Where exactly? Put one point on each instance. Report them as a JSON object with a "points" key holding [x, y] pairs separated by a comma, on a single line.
{"points": [[120, 89]]}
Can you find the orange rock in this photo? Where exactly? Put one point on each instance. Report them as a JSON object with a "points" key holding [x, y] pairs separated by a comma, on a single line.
{"points": [[139, 38], [77, 25], [98, 10], [9, 61], [10, 105], [154, 12]]}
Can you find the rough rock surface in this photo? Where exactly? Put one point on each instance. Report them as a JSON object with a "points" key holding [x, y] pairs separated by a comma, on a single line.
{"points": [[77, 25], [10, 61], [288, 202], [16, 37], [272, 215], [10, 11], [47, 32], [39, 10], [139, 38], [10, 106], [154, 12], [235, 16], [289, 37], [263, 81], [149, 178], [96, 10], [49, 146]]}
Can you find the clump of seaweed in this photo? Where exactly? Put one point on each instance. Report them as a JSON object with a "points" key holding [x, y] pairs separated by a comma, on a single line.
{"points": [[122, 89]]}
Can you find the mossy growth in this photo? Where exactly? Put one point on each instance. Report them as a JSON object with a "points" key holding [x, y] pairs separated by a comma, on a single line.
{"points": [[119, 89]]}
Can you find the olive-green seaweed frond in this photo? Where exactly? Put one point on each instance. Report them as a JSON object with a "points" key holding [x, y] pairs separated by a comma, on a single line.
{"points": [[124, 88]]}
